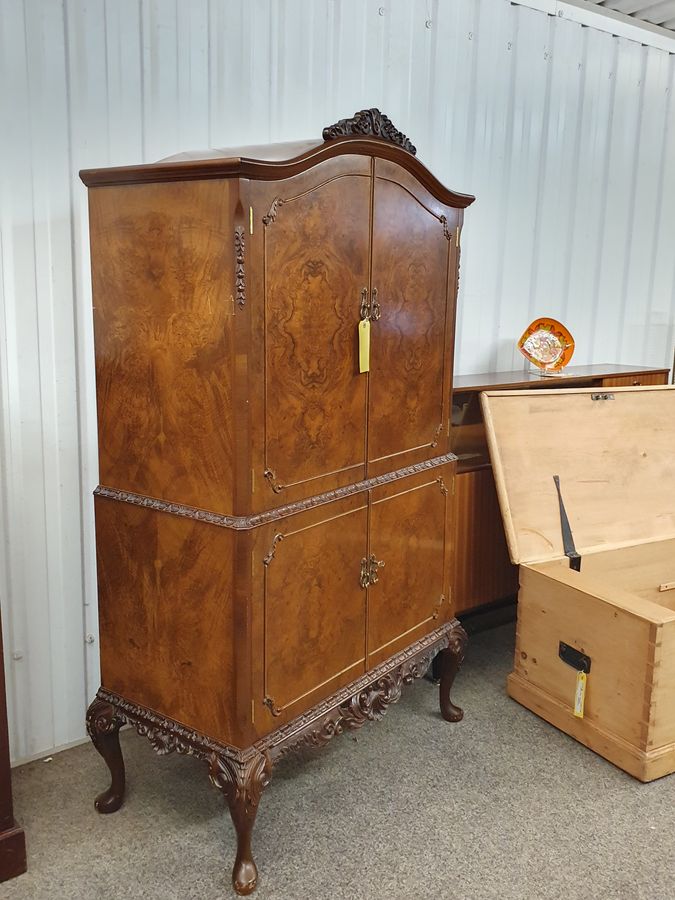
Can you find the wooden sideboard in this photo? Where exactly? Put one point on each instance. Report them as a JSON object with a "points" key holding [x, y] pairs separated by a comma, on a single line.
{"points": [[274, 523], [483, 573]]}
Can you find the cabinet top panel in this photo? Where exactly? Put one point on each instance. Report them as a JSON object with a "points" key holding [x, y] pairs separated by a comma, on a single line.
{"points": [[367, 133]]}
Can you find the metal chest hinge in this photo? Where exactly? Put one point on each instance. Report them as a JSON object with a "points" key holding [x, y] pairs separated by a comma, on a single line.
{"points": [[568, 541]]}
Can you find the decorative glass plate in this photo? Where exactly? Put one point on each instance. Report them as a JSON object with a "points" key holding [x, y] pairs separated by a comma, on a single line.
{"points": [[548, 345]]}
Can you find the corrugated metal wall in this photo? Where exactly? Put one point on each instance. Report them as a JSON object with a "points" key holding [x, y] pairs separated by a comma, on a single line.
{"points": [[564, 133]]}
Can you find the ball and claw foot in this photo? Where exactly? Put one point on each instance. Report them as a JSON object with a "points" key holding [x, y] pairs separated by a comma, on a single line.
{"points": [[450, 660], [103, 726]]}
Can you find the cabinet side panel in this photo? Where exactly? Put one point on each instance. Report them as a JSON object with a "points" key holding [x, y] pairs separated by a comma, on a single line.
{"points": [[166, 614], [163, 281]]}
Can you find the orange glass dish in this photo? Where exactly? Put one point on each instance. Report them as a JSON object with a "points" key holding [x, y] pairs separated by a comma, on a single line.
{"points": [[548, 345]]}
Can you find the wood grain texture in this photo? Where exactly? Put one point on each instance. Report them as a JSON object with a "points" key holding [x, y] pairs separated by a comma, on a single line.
{"points": [[577, 375], [166, 614], [316, 265], [410, 533], [273, 162], [637, 379], [482, 571], [314, 606], [410, 347], [620, 646], [163, 280], [610, 612], [619, 491]]}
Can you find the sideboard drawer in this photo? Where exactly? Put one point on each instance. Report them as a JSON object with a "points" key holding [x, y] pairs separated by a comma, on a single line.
{"points": [[635, 380]]}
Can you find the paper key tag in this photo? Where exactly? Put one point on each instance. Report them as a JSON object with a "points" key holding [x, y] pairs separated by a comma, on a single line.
{"points": [[580, 695], [364, 345]]}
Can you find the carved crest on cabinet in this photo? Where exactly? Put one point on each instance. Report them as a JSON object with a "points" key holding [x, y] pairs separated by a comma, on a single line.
{"points": [[370, 122], [239, 274]]}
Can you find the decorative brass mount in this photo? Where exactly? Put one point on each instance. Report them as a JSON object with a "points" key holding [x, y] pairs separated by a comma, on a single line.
{"points": [[369, 569], [370, 309]]}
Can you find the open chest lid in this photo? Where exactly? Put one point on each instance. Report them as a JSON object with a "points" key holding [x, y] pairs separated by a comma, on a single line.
{"points": [[613, 452]]}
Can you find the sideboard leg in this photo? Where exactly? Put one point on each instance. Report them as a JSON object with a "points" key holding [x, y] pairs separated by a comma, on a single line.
{"points": [[450, 660], [242, 781], [103, 727]]}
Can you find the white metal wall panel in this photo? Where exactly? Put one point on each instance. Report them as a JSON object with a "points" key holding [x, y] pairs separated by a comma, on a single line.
{"points": [[565, 134]]}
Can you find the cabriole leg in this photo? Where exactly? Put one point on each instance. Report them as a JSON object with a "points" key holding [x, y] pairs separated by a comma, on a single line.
{"points": [[242, 782], [450, 660], [103, 726]]}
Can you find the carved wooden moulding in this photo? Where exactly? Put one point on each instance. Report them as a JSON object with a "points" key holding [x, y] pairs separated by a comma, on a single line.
{"points": [[243, 523], [369, 122], [242, 774]]}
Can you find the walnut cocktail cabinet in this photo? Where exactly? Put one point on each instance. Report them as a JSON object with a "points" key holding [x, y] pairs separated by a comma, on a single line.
{"points": [[274, 333]]}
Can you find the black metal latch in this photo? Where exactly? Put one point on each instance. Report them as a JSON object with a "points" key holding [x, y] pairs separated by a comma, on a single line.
{"points": [[574, 658]]}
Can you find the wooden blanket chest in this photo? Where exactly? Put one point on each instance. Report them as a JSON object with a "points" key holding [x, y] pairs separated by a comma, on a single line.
{"points": [[586, 485]]}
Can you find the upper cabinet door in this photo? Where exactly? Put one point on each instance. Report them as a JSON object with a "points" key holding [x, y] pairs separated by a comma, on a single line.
{"points": [[316, 257], [412, 315]]}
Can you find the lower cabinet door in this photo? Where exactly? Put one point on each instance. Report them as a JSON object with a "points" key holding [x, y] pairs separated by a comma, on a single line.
{"points": [[313, 607], [410, 560]]}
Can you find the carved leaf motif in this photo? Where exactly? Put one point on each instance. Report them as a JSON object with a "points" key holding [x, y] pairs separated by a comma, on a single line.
{"points": [[369, 122], [247, 772], [368, 705], [446, 230], [102, 718], [274, 209], [241, 780], [239, 272], [246, 522]]}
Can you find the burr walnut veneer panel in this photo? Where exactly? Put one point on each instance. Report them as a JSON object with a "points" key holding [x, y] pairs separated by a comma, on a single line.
{"points": [[411, 534], [413, 244], [161, 282], [316, 259], [172, 578]]}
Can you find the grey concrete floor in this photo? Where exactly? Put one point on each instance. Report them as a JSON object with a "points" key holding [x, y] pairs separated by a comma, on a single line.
{"points": [[499, 806]]}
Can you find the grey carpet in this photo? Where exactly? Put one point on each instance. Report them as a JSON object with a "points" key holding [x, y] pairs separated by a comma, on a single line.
{"points": [[500, 806]]}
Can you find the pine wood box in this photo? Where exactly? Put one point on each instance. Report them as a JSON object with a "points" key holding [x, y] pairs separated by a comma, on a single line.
{"points": [[614, 454]]}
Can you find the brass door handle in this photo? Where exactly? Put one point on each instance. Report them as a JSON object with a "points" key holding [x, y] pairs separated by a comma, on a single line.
{"points": [[370, 309], [365, 305], [369, 569], [364, 579], [375, 311], [374, 565]]}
